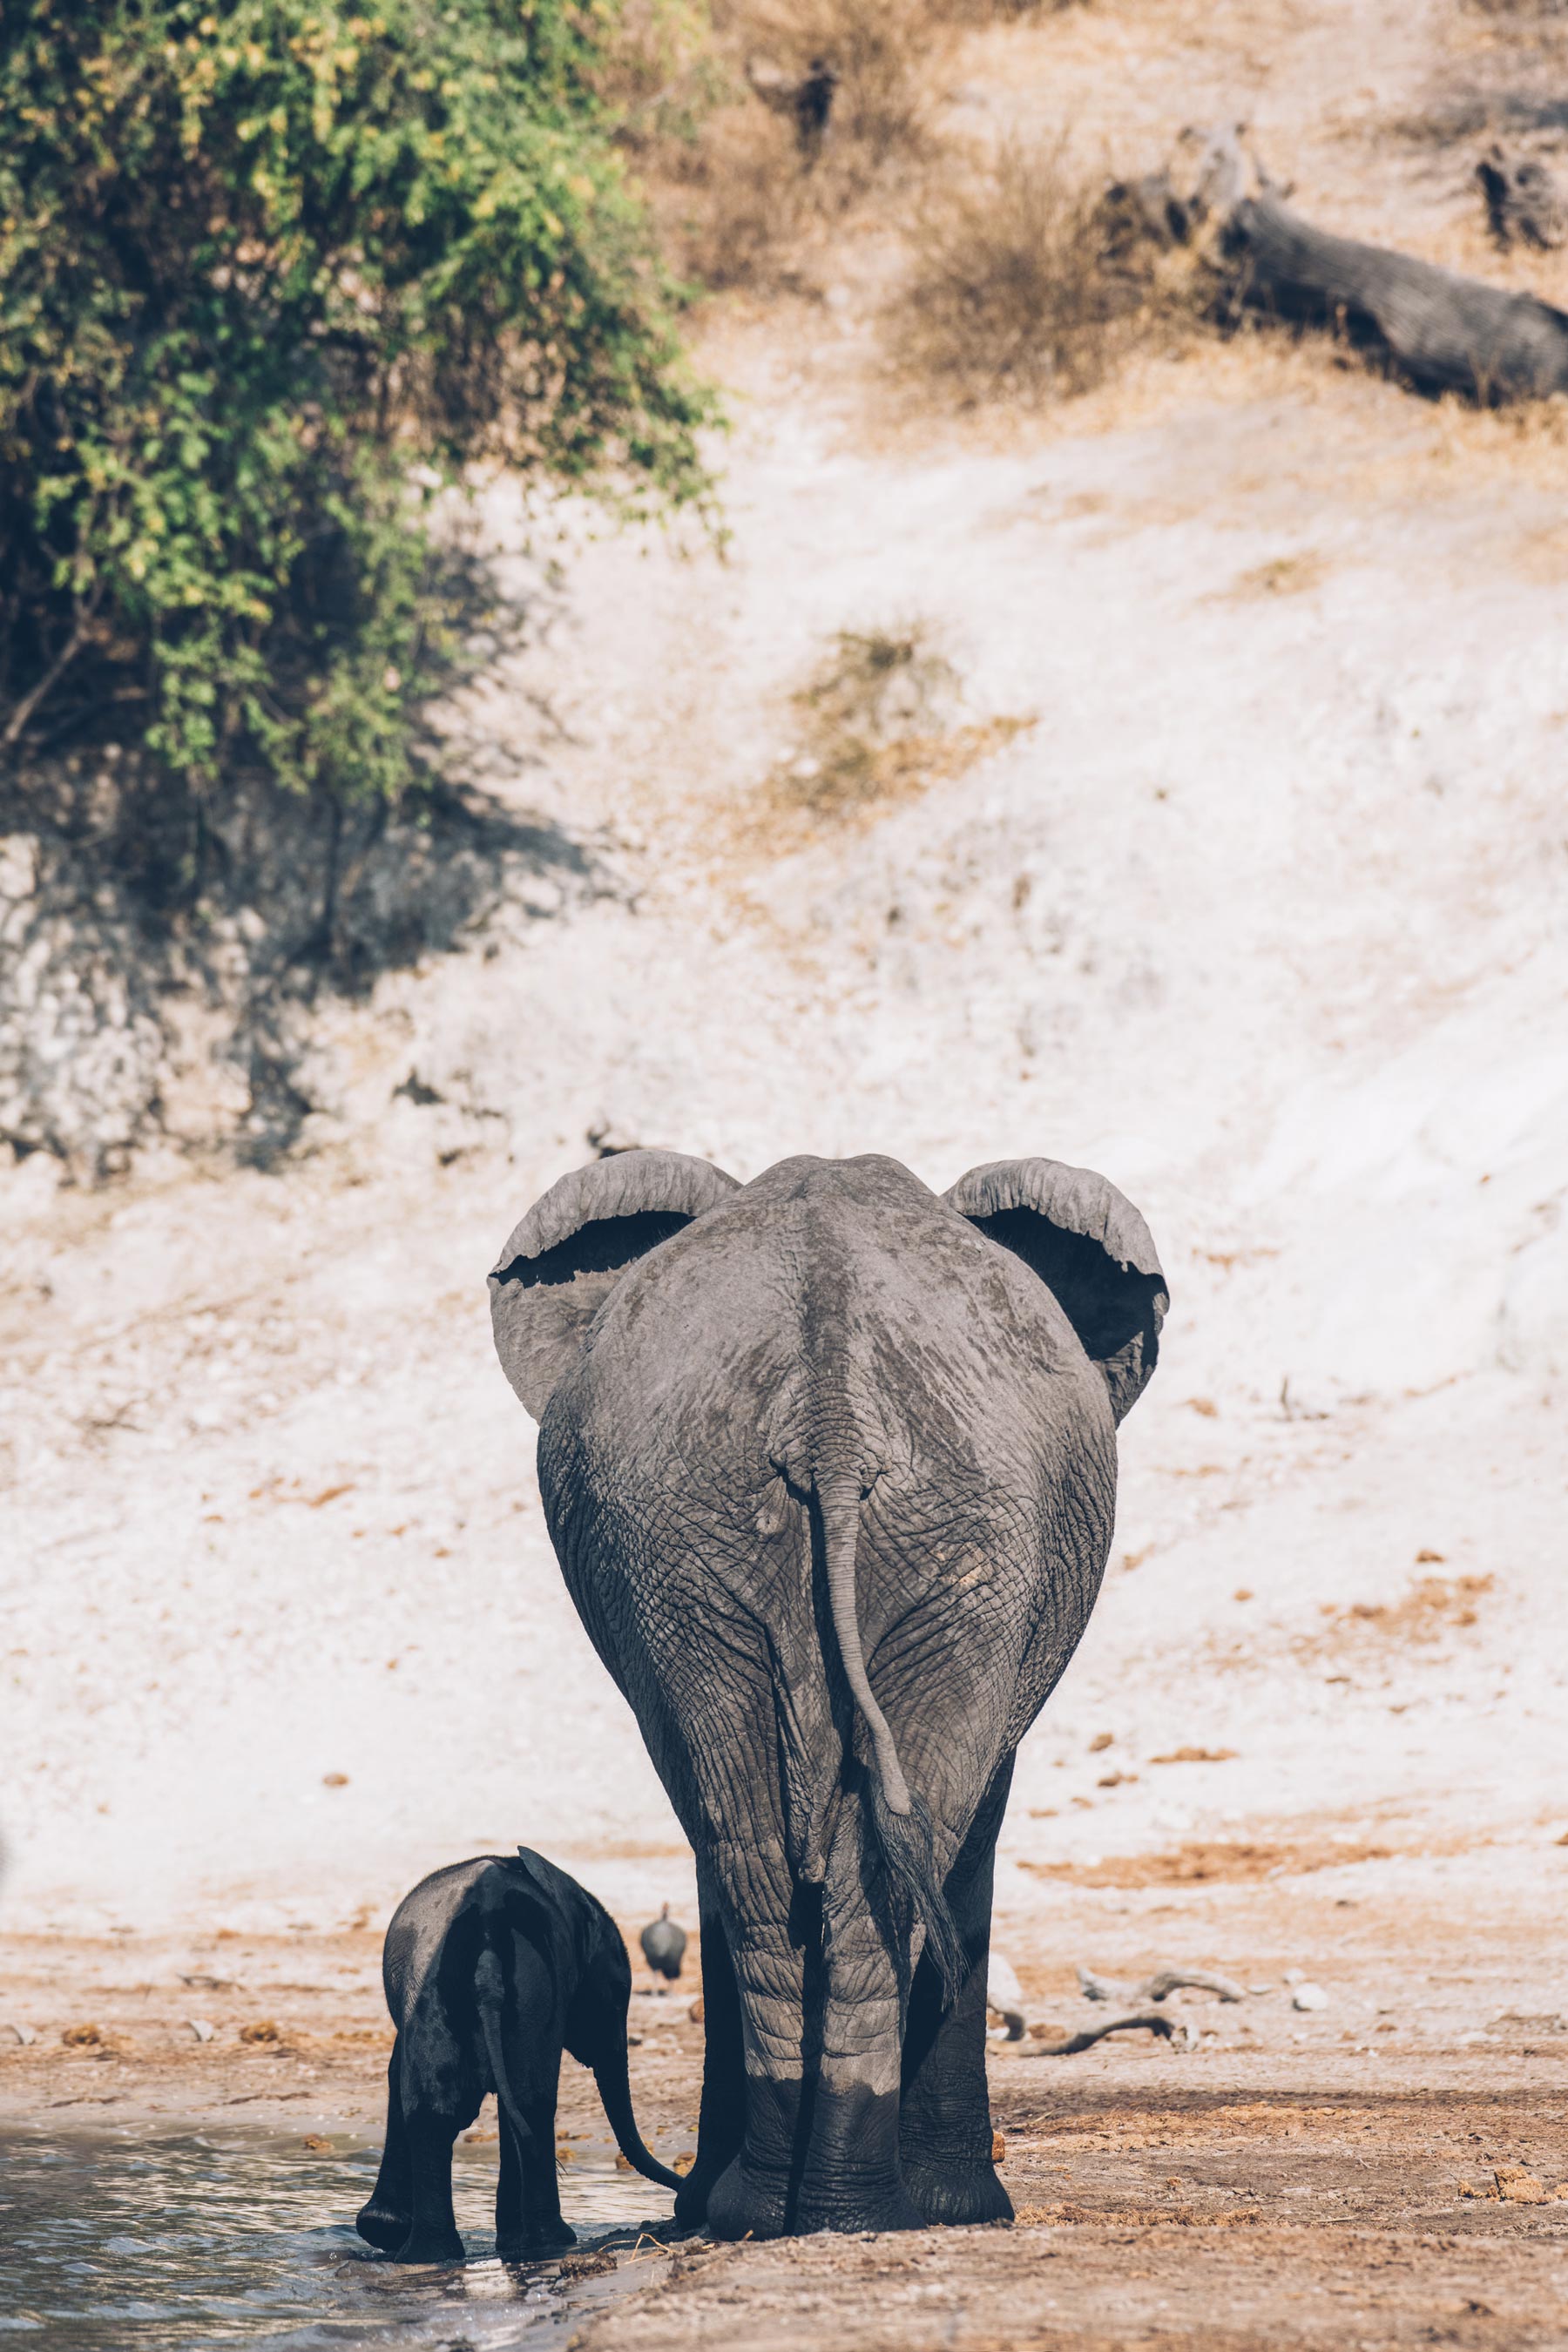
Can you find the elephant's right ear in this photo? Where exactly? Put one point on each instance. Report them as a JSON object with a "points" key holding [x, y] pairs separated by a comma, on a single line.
{"points": [[561, 1263], [1088, 1245]]}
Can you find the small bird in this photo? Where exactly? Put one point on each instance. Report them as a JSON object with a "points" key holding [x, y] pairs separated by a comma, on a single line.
{"points": [[663, 1942], [1523, 202], [1005, 1995], [808, 100]]}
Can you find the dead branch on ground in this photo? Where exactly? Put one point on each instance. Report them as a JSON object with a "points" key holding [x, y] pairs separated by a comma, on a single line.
{"points": [[1161, 1985], [1173, 2029]]}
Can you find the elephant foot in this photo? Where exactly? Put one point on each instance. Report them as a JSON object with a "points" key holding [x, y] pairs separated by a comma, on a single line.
{"points": [[742, 2204], [953, 2185], [692, 2197], [895, 2209], [430, 2246], [531, 2244], [739, 2205], [964, 2193], [378, 2225]]}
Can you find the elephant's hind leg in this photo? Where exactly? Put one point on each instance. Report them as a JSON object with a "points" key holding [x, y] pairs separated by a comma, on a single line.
{"points": [[721, 2119], [383, 2219], [945, 2119], [752, 2195], [822, 2066], [853, 2177], [528, 2220]]}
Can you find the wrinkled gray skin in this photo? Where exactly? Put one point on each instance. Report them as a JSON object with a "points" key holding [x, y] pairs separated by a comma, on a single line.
{"points": [[491, 1967], [829, 1464]]}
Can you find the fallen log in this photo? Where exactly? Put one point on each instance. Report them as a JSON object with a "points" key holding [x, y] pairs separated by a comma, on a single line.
{"points": [[1161, 1986], [1442, 331], [1446, 332]]}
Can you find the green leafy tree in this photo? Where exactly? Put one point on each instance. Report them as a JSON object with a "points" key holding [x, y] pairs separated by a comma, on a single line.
{"points": [[273, 274]]}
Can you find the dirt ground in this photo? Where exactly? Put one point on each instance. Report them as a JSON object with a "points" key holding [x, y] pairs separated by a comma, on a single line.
{"points": [[1389, 2170]]}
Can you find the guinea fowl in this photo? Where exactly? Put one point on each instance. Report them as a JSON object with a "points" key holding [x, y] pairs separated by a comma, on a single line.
{"points": [[663, 1944]]}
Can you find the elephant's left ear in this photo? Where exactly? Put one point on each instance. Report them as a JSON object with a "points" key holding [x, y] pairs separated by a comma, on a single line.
{"points": [[561, 1263], [1088, 1244]]}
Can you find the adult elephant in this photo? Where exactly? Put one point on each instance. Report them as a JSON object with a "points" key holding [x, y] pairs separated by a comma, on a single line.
{"points": [[829, 1464]]}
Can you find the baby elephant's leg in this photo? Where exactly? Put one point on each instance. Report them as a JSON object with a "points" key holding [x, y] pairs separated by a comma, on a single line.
{"points": [[527, 2196], [433, 2228], [383, 2219]]}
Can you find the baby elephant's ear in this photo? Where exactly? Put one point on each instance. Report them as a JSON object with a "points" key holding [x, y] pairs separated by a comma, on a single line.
{"points": [[1088, 1244], [561, 1263]]}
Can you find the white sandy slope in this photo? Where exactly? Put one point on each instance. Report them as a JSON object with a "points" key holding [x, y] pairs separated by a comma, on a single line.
{"points": [[1264, 917]]}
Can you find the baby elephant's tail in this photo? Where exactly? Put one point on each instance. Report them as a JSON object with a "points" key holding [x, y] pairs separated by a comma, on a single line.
{"points": [[610, 2075], [614, 2090], [902, 1817], [490, 1988]]}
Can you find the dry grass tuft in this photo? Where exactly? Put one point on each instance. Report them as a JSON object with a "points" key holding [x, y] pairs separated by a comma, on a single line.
{"points": [[878, 697], [723, 177], [1283, 575], [1002, 12], [879, 725], [1199, 1861], [1431, 1609], [1012, 292], [733, 203], [1433, 1605]]}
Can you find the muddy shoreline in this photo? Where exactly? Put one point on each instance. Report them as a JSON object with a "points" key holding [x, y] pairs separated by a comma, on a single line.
{"points": [[1312, 2179]]}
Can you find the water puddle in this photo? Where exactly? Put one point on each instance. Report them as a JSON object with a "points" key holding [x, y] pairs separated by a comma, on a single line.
{"points": [[148, 2241]]}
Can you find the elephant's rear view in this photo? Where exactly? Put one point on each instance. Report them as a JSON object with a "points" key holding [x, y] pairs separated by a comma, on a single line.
{"points": [[829, 1464]]}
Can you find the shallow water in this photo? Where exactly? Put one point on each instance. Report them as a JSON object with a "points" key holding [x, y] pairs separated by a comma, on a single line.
{"points": [[115, 2241]]}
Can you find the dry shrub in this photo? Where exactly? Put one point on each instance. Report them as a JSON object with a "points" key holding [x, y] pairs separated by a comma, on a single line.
{"points": [[659, 72], [1010, 293], [878, 723], [1004, 12], [731, 203], [882, 52], [719, 172], [705, 107], [661, 75]]}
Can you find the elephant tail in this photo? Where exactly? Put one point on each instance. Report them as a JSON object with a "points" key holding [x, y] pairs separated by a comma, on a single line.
{"points": [[901, 1818], [490, 1990]]}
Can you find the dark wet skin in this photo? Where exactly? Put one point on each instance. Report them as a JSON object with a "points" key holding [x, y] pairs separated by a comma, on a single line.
{"points": [[492, 1967]]}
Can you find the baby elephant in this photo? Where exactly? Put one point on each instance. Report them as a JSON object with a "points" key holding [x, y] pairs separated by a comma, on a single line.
{"points": [[491, 1967]]}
